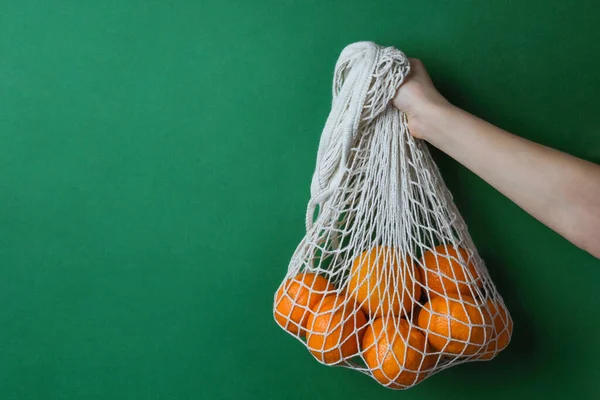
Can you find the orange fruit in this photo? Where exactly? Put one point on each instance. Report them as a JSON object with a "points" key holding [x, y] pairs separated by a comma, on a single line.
{"points": [[456, 326], [397, 358], [382, 283], [503, 327], [295, 297], [444, 272], [335, 329]]}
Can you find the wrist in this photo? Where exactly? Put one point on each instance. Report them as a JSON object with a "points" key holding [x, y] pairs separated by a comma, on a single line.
{"points": [[430, 122]]}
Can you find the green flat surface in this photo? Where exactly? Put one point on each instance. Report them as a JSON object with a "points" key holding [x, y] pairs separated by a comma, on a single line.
{"points": [[155, 161]]}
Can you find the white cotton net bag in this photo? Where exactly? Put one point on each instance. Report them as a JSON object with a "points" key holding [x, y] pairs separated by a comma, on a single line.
{"points": [[387, 280]]}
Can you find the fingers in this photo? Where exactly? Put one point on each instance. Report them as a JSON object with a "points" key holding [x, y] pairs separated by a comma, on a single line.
{"points": [[418, 68], [418, 72]]}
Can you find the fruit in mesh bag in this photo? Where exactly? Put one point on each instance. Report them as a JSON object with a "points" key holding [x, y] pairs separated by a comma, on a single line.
{"points": [[456, 325], [503, 327], [382, 283], [295, 297], [335, 329], [445, 271], [398, 357]]}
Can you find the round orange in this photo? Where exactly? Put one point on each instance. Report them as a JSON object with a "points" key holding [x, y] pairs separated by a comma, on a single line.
{"points": [[503, 327], [383, 284], [444, 272], [295, 297], [456, 327], [397, 358], [335, 329]]}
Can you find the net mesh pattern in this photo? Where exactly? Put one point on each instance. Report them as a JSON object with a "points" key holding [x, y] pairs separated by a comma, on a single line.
{"points": [[387, 280]]}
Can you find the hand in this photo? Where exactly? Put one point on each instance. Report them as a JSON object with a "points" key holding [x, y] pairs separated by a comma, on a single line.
{"points": [[419, 99]]}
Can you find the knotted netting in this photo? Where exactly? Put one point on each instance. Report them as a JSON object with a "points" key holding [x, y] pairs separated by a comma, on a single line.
{"points": [[387, 280]]}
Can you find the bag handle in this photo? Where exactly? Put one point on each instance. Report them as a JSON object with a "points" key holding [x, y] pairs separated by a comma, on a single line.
{"points": [[366, 79]]}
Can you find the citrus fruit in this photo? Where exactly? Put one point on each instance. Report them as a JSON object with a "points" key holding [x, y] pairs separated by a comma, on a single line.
{"points": [[397, 357], [444, 270], [456, 326], [503, 327], [295, 297], [335, 329], [384, 284]]}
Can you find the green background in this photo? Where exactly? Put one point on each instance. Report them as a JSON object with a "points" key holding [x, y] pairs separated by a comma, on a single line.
{"points": [[155, 161]]}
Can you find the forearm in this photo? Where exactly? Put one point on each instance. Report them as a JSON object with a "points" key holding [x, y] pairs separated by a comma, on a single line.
{"points": [[561, 191]]}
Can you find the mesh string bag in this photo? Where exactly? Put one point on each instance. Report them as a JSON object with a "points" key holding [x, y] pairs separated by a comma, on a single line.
{"points": [[387, 280]]}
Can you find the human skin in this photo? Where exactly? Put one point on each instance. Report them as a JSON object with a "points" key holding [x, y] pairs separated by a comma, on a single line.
{"points": [[560, 190]]}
